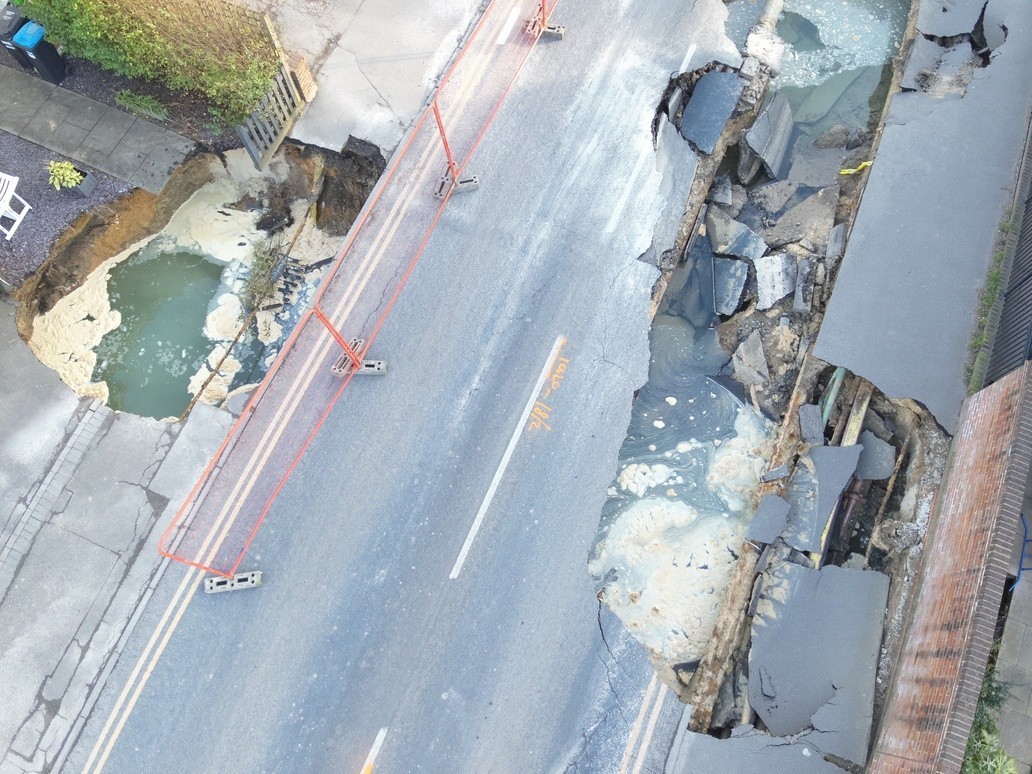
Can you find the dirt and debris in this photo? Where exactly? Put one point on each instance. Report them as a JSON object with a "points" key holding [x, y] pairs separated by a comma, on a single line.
{"points": [[348, 178], [807, 223], [98, 234], [344, 181], [851, 492]]}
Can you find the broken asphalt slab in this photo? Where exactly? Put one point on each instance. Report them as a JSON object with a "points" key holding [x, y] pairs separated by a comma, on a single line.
{"points": [[907, 293], [750, 362], [711, 104], [811, 424], [877, 460], [766, 142], [816, 636], [775, 278], [746, 751], [728, 236], [769, 521], [729, 276], [810, 220], [813, 491]]}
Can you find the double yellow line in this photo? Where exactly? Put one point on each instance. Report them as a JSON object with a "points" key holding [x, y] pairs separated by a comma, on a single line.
{"points": [[641, 732]]}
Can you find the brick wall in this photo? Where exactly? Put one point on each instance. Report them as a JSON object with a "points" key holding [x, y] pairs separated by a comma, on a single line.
{"points": [[967, 550]]}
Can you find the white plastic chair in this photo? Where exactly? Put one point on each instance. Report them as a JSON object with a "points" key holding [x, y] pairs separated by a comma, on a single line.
{"points": [[7, 185]]}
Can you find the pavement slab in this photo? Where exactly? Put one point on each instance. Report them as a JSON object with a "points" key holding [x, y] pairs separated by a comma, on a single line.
{"points": [[709, 108], [942, 181], [375, 60], [35, 628], [86, 131]]}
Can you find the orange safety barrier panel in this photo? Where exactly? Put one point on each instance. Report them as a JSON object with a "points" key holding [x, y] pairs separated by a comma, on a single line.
{"points": [[224, 511]]}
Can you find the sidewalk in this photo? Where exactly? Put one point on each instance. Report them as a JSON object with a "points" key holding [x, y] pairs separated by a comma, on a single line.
{"points": [[101, 137], [86, 493], [1014, 668]]}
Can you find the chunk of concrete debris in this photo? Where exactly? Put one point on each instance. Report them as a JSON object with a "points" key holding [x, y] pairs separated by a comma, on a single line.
{"points": [[750, 362], [739, 198], [781, 471], [804, 284], [811, 424], [834, 137], [720, 192], [813, 491], [711, 104], [746, 751], [877, 460], [816, 636], [729, 237], [810, 220], [769, 521], [836, 244], [772, 197], [766, 142], [775, 278], [729, 276], [750, 68]]}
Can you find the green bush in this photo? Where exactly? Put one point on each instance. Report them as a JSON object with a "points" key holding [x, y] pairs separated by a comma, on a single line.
{"points": [[212, 47], [63, 174]]}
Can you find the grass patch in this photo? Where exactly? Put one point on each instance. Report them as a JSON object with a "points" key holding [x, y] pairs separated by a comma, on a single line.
{"points": [[984, 754], [142, 105], [990, 292]]}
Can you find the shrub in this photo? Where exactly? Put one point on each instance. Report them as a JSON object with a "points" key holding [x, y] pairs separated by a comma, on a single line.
{"points": [[223, 51], [984, 754], [63, 174]]}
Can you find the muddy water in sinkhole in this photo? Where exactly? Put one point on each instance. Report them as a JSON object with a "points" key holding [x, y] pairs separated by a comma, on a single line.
{"points": [[688, 470], [145, 328], [837, 59], [164, 296]]}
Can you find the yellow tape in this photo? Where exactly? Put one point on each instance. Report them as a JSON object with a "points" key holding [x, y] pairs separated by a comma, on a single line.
{"points": [[863, 165]]}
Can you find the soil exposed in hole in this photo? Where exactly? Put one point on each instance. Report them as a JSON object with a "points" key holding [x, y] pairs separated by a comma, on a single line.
{"points": [[98, 234], [107, 230], [219, 208]]}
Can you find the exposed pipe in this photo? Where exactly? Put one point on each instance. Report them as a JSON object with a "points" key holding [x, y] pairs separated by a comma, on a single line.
{"points": [[827, 401]]}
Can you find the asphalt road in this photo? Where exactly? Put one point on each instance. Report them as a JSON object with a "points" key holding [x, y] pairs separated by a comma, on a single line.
{"points": [[426, 595]]}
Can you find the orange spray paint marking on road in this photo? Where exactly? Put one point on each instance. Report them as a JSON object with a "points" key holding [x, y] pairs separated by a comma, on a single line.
{"points": [[539, 417]]}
